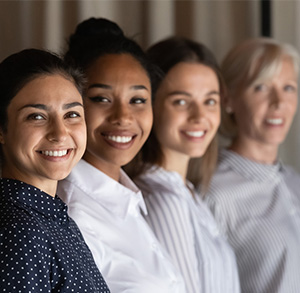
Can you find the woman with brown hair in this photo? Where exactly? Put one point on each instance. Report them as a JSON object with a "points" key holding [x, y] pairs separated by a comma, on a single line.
{"points": [[186, 118]]}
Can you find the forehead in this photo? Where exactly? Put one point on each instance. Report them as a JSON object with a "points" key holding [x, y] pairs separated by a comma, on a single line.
{"points": [[47, 89], [117, 66], [188, 75]]}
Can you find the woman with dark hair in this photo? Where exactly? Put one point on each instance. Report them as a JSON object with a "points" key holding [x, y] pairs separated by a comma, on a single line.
{"points": [[42, 136], [253, 196], [102, 199], [186, 119]]}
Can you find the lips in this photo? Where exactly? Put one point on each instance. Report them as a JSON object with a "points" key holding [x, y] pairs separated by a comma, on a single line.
{"points": [[119, 139], [122, 139], [59, 153], [275, 121], [196, 134]]}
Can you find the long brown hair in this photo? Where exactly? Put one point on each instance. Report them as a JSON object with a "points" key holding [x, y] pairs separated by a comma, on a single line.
{"points": [[166, 54]]}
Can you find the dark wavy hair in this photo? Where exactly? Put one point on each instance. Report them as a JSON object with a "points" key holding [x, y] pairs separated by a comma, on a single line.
{"points": [[166, 54], [20, 68]]}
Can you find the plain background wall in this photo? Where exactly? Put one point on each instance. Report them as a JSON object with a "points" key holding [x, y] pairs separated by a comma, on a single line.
{"points": [[218, 24]]}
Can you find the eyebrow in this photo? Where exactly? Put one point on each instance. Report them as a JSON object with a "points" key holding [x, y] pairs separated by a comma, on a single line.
{"points": [[46, 108], [108, 87], [183, 93]]}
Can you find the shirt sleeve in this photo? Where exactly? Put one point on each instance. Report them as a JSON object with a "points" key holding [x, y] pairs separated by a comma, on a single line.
{"points": [[169, 218], [23, 263]]}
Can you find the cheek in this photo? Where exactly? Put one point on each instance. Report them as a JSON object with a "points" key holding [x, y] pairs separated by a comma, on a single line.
{"points": [[80, 135], [215, 120], [94, 119], [146, 122]]}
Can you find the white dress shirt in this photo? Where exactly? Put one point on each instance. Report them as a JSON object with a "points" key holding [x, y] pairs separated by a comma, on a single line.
{"points": [[258, 207], [124, 247], [186, 228]]}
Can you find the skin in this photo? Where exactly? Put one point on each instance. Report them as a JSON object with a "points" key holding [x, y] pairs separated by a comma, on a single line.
{"points": [[118, 112], [46, 133], [189, 98], [264, 113]]}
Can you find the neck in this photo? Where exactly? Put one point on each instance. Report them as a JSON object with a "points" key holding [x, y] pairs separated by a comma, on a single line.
{"points": [[176, 162], [255, 151], [47, 185], [111, 170]]}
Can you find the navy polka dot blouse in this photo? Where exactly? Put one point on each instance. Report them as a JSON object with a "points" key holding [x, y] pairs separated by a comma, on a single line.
{"points": [[41, 248]]}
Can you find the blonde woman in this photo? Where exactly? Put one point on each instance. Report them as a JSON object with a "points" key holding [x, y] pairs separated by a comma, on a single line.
{"points": [[254, 197]]}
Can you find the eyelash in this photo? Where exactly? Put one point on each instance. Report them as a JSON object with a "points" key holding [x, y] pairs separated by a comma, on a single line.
{"points": [[33, 116], [99, 99], [68, 115], [290, 88], [211, 102], [138, 101], [180, 102]]}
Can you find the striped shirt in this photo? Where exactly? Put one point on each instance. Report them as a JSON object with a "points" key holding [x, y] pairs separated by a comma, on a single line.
{"points": [[258, 207], [186, 228]]}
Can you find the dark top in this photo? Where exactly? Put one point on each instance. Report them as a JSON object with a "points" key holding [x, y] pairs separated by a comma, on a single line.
{"points": [[41, 248]]}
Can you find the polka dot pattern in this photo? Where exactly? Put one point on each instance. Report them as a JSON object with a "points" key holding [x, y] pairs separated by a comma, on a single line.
{"points": [[41, 248]]}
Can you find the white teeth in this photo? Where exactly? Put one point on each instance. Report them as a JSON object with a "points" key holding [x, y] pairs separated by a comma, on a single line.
{"points": [[55, 153], [120, 139], [195, 133], [277, 121]]}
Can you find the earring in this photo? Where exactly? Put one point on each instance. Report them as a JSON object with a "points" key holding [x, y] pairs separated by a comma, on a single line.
{"points": [[228, 110]]}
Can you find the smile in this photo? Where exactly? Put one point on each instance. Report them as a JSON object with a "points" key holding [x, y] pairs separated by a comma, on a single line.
{"points": [[120, 139], [55, 153], [277, 121], [195, 133]]}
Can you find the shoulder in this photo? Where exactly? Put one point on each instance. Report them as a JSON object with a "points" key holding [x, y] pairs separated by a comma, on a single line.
{"points": [[291, 178]]}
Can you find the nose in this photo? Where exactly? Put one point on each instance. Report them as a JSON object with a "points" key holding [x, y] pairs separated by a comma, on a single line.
{"points": [[276, 98], [57, 131], [196, 113], [121, 114]]}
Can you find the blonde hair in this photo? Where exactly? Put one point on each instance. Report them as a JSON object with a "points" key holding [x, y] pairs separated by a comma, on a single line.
{"points": [[250, 62]]}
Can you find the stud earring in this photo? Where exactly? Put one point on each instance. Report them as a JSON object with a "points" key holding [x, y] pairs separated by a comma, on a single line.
{"points": [[228, 110]]}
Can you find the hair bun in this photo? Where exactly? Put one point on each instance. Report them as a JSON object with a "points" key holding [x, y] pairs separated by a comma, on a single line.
{"points": [[97, 27]]}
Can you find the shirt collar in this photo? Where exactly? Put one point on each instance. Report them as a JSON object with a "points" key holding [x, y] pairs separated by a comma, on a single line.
{"points": [[249, 168], [34, 198], [116, 197]]}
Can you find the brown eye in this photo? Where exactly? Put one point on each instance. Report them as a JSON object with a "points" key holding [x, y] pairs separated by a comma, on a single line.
{"points": [[138, 101], [72, 115], [180, 102], [35, 116], [99, 99]]}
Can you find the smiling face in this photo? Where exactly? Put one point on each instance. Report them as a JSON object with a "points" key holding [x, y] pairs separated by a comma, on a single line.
{"points": [[45, 135], [187, 111], [118, 111], [265, 110]]}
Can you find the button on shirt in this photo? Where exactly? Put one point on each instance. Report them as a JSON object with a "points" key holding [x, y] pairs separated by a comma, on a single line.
{"points": [[186, 228], [125, 249], [258, 208], [41, 248]]}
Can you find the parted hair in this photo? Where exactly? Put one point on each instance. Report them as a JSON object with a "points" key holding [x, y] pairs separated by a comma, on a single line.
{"points": [[166, 54], [250, 62], [20, 68]]}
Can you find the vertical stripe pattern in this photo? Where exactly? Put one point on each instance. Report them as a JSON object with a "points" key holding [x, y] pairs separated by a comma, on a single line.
{"points": [[187, 230], [257, 207]]}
